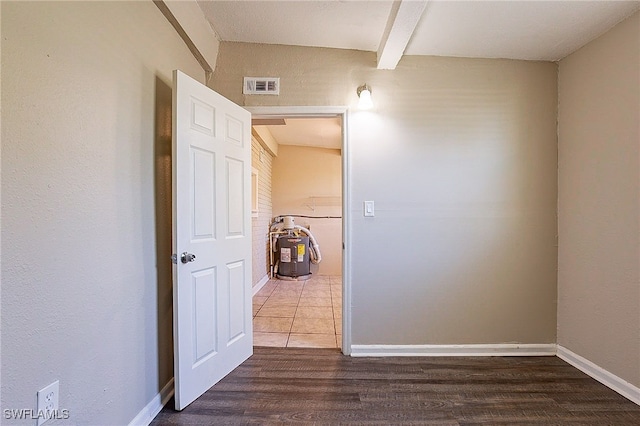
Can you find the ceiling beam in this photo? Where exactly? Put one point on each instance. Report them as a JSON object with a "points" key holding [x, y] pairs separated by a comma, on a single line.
{"points": [[196, 32], [402, 22]]}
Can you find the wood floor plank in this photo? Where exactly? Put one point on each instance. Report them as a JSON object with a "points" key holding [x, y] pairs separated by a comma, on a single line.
{"points": [[321, 386]]}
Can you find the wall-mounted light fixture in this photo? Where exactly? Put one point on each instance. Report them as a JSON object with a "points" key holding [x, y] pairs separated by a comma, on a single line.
{"points": [[364, 93]]}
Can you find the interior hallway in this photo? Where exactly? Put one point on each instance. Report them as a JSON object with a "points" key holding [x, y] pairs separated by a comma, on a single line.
{"points": [[299, 313]]}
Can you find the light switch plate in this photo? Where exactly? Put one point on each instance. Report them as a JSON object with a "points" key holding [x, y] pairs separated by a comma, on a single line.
{"points": [[369, 209]]}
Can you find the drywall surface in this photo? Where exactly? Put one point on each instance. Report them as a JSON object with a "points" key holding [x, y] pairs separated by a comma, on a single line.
{"points": [[599, 200], [262, 161], [460, 157], [86, 208], [308, 181]]}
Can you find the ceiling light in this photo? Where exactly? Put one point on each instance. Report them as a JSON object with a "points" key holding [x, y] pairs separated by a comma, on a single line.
{"points": [[364, 93]]}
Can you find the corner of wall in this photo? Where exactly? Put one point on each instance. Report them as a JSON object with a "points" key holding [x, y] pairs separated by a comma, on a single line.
{"points": [[598, 269]]}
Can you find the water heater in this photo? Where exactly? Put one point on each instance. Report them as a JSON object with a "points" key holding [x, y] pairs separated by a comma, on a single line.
{"points": [[293, 256]]}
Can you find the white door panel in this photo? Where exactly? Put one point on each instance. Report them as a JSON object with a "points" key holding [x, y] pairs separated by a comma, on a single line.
{"points": [[203, 185], [211, 215], [234, 202]]}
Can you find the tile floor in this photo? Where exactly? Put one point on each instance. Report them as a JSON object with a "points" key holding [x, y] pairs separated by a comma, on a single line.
{"points": [[302, 314]]}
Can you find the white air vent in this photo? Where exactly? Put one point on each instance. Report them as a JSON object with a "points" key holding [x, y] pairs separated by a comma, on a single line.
{"points": [[261, 86]]}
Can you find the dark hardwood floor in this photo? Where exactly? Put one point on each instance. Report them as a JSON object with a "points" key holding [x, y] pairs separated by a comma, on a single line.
{"points": [[322, 386]]}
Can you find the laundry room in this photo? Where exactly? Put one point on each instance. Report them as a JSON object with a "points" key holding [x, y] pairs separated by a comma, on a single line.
{"points": [[297, 231]]}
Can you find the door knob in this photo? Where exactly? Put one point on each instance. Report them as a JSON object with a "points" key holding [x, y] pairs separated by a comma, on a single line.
{"points": [[187, 257]]}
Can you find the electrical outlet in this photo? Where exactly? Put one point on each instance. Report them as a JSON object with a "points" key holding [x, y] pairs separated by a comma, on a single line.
{"points": [[48, 402]]}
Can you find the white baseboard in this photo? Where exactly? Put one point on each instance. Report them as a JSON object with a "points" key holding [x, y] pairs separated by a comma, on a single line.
{"points": [[505, 349], [148, 413], [608, 379], [261, 283]]}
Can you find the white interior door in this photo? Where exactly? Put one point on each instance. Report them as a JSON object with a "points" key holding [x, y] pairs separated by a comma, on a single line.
{"points": [[211, 237]]}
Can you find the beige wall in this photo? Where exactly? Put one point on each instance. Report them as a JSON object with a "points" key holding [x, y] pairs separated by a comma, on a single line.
{"points": [[308, 181], [460, 157], [86, 208], [599, 196], [263, 163]]}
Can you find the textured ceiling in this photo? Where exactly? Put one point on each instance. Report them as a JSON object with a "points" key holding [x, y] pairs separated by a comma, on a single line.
{"points": [[533, 30], [316, 132], [341, 24]]}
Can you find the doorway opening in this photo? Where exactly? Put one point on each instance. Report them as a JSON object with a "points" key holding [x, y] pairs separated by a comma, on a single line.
{"points": [[300, 174]]}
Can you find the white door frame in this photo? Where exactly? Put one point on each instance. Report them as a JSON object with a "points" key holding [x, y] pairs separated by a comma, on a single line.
{"points": [[343, 113]]}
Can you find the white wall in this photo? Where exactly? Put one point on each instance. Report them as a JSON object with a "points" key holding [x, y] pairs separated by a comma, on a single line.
{"points": [[86, 208], [460, 159], [599, 201]]}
